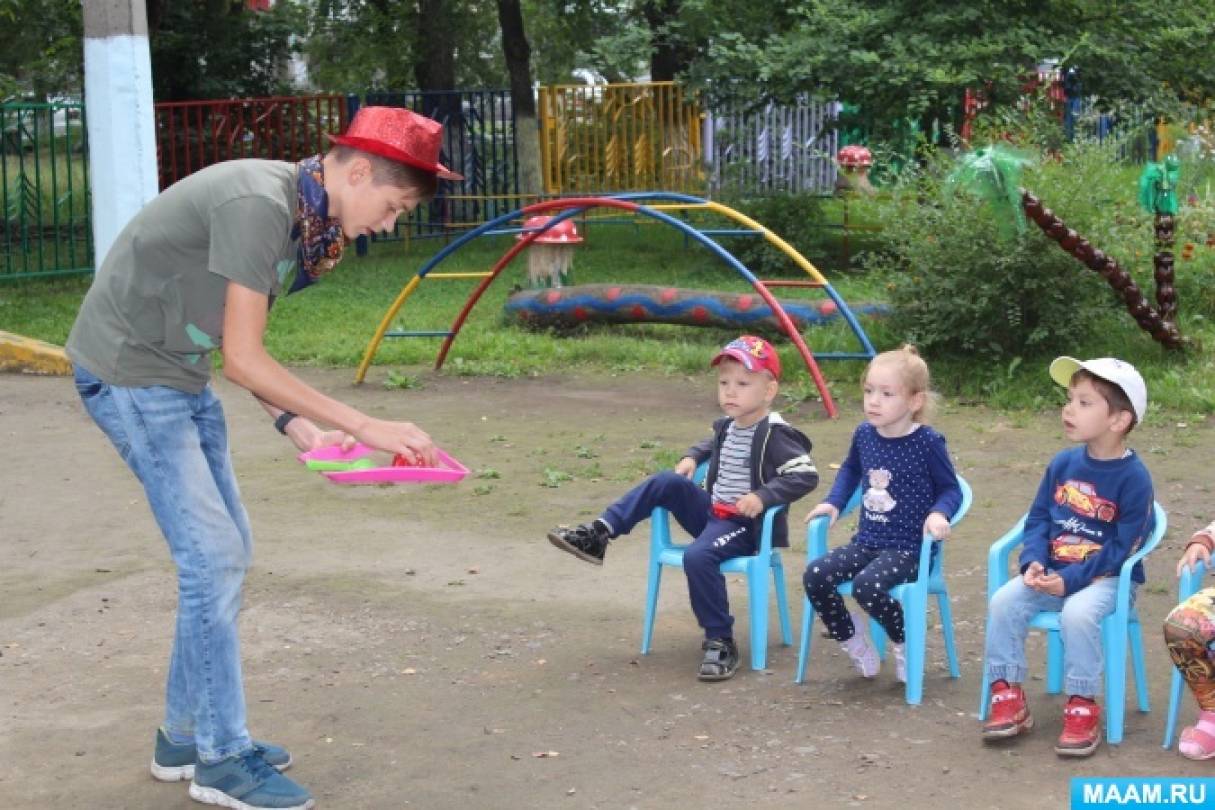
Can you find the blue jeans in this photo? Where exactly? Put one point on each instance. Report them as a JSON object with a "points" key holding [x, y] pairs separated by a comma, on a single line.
{"points": [[716, 541], [1014, 606], [177, 445]]}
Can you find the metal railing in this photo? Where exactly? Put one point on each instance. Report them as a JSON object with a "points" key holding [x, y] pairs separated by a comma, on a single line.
{"points": [[44, 190], [620, 137], [478, 142], [191, 135], [774, 148]]}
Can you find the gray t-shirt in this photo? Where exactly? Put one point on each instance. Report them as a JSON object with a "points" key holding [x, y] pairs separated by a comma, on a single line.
{"points": [[156, 307]]}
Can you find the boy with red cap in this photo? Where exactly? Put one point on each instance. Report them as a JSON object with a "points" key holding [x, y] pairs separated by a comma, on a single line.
{"points": [[756, 460], [196, 270]]}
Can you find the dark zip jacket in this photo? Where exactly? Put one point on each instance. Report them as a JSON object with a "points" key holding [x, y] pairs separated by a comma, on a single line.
{"points": [[781, 468]]}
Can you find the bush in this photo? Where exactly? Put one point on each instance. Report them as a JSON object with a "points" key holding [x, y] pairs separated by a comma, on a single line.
{"points": [[797, 218], [963, 282]]}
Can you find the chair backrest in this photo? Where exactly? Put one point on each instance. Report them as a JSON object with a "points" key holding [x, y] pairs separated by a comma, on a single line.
{"points": [[1001, 550], [819, 527]]}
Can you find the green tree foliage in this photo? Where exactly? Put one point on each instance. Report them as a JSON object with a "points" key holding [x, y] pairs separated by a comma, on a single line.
{"points": [[42, 54], [912, 59], [204, 49], [608, 37], [358, 45]]}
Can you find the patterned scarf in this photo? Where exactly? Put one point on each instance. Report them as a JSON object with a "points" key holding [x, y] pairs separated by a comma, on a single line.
{"points": [[320, 236]]}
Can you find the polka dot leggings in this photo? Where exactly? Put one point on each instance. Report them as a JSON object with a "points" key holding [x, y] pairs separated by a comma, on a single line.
{"points": [[872, 572]]}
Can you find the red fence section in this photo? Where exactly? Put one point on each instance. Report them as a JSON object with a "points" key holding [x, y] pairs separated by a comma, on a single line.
{"points": [[191, 135]]}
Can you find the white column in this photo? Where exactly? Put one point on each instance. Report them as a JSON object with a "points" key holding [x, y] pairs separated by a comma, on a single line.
{"points": [[121, 122]]}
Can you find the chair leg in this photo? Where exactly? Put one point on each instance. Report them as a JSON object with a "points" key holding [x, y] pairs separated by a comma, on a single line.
{"points": [[951, 651], [877, 634], [782, 602], [1054, 662], [757, 585], [985, 678], [1141, 690], [803, 644], [1115, 678], [915, 618], [651, 605], [1170, 726]]}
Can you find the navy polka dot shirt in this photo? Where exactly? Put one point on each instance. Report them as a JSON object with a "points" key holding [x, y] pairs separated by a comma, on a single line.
{"points": [[902, 480]]}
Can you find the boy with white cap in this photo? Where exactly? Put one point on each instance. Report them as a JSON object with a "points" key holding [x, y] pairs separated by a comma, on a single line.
{"points": [[1092, 511]]}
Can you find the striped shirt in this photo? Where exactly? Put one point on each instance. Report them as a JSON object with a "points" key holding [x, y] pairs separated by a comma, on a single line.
{"points": [[734, 465]]}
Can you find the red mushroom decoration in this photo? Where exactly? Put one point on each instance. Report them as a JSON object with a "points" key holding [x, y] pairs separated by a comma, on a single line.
{"points": [[550, 257], [855, 161]]}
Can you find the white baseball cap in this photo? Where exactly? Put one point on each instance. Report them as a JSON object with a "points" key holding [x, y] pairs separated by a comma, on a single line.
{"points": [[1110, 369]]}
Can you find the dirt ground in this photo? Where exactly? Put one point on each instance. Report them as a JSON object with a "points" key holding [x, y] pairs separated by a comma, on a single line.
{"points": [[420, 646]]}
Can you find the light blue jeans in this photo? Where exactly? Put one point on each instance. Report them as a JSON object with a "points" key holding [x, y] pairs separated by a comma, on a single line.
{"points": [[177, 445], [1015, 605]]}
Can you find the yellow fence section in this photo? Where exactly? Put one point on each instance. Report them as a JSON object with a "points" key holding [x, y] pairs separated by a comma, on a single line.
{"points": [[620, 137]]}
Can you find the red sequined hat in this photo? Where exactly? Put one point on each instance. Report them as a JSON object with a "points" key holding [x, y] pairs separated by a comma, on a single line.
{"points": [[398, 134]]}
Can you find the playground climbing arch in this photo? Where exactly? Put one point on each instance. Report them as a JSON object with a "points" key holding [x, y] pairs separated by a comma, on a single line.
{"points": [[660, 206]]}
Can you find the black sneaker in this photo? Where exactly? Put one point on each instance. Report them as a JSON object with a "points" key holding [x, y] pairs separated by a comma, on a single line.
{"points": [[588, 541], [720, 661]]}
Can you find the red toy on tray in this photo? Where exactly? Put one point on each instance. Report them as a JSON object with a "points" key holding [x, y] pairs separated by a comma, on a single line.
{"points": [[355, 466]]}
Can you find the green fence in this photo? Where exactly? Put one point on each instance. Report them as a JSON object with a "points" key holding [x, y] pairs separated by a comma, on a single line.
{"points": [[44, 181]]}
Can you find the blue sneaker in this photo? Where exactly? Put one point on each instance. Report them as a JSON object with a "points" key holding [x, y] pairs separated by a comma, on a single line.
{"points": [[247, 782], [175, 763]]}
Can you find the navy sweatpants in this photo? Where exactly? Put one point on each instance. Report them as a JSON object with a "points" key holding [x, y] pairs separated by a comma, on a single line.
{"points": [[873, 572], [716, 540]]}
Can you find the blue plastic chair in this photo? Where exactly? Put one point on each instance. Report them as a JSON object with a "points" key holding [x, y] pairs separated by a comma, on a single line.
{"points": [[1187, 586], [913, 596], [665, 552], [1115, 630]]}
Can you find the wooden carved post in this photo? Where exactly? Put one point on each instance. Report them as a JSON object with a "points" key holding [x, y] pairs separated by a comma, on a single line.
{"points": [[1148, 318]]}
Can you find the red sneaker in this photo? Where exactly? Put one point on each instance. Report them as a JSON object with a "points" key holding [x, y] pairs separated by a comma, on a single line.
{"points": [[1008, 715], [1081, 728]]}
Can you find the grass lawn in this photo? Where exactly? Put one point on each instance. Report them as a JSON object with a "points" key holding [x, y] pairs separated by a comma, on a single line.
{"points": [[331, 323]]}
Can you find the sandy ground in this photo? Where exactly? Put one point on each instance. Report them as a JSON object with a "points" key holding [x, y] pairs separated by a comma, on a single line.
{"points": [[419, 646]]}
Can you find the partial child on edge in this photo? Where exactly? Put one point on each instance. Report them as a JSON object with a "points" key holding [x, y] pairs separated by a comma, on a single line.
{"points": [[1092, 511], [756, 460], [910, 488], [1189, 633]]}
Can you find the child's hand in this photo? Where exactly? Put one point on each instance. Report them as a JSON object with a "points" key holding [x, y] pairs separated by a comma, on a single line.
{"points": [[1033, 573], [824, 509], [1052, 584], [937, 525], [749, 505], [1193, 553], [686, 467]]}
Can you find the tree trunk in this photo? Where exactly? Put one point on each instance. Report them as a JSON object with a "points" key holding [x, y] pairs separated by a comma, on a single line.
{"points": [[518, 52], [435, 69], [668, 56], [435, 66]]}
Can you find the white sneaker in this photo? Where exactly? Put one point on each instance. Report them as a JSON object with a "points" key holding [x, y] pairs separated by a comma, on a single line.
{"points": [[900, 661], [860, 649]]}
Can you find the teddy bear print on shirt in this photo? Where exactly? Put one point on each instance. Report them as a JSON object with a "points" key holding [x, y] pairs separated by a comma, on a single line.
{"points": [[877, 499]]}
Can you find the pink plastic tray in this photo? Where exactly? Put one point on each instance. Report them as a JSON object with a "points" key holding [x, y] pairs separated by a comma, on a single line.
{"points": [[449, 470]]}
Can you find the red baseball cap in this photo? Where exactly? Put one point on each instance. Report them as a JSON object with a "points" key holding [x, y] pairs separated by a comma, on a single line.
{"points": [[755, 354], [398, 134]]}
